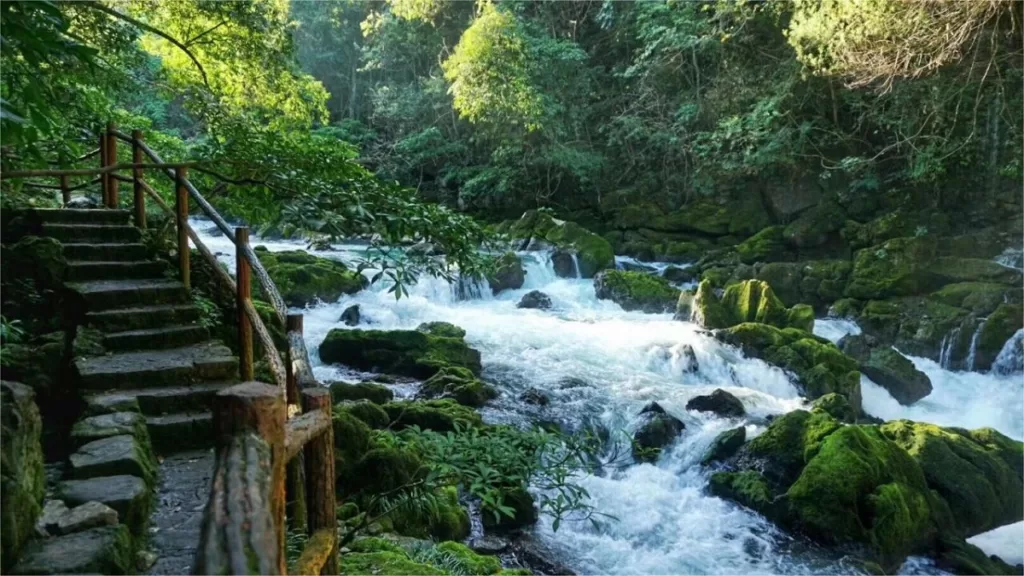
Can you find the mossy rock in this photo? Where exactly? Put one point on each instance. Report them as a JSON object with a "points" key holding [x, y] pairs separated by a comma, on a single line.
{"points": [[524, 511], [593, 252], [981, 298], [446, 329], [469, 561], [836, 406], [390, 563], [351, 442], [747, 488], [951, 269], [370, 413], [899, 267], [977, 472], [106, 425], [765, 246], [1000, 325], [748, 301], [447, 520], [22, 480], [508, 273], [636, 291], [725, 445], [657, 430], [887, 368], [389, 555], [816, 226], [376, 393], [405, 352], [436, 415], [959, 557], [36, 363], [460, 385], [302, 278], [782, 451]]}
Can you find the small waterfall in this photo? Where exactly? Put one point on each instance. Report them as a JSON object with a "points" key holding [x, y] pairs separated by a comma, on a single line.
{"points": [[1011, 358], [576, 265], [974, 345], [946, 347]]}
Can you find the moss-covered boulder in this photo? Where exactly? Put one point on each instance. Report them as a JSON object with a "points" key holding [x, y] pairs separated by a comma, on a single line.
{"points": [[836, 406], [817, 282], [887, 368], [816, 226], [370, 413], [977, 472], [636, 291], [1000, 325], [372, 391], [32, 271], [820, 367], [390, 555], [446, 329], [405, 352], [36, 363], [508, 273], [303, 278], [593, 252], [980, 298], [898, 267], [524, 511], [460, 385], [725, 445], [765, 246], [718, 402], [748, 301], [447, 521], [351, 441], [657, 429], [22, 482], [437, 415]]}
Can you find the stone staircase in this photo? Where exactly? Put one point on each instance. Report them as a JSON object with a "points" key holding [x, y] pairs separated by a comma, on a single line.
{"points": [[158, 355]]}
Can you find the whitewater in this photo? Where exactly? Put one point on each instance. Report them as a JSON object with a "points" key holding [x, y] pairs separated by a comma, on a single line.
{"points": [[665, 523]]}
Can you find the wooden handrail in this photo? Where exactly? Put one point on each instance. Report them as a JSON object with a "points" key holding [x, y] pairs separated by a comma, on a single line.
{"points": [[317, 552], [91, 171], [301, 429]]}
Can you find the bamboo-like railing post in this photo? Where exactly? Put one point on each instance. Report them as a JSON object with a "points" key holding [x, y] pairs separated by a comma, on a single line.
{"points": [[112, 182], [293, 323], [237, 536], [181, 211], [319, 454], [65, 189], [297, 512], [104, 190], [243, 282], [138, 195]]}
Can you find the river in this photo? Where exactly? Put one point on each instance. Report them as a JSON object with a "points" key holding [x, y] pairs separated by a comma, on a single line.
{"points": [[665, 522]]}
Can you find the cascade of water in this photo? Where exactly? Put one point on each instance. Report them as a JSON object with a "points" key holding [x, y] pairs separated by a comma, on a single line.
{"points": [[576, 265], [974, 345], [1011, 357], [946, 347]]}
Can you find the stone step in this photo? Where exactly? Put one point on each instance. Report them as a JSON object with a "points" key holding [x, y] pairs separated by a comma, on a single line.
{"points": [[84, 270], [121, 319], [153, 368], [113, 456], [106, 252], [127, 494], [93, 232], [104, 550], [107, 294], [156, 338], [162, 401], [176, 432], [79, 216]]}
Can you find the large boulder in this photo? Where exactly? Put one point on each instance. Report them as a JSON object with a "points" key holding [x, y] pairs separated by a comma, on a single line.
{"points": [[748, 301], [535, 299], [820, 367], [719, 402], [725, 445], [106, 550], [459, 384], [303, 278], [815, 227], [818, 282], [765, 246], [657, 430], [887, 368], [437, 415], [636, 291], [593, 253], [404, 352], [22, 481], [999, 327], [372, 391], [508, 273]]}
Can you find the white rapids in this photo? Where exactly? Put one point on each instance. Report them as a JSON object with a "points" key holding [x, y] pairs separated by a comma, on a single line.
{"points": [[666, 522]]}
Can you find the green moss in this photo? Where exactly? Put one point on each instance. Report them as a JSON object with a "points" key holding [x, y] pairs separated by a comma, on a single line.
{"points": [[801, 317], [998, 328], [861, 487], [389, 563], [468, 560], [678, 251], [957, 556], [593, 252], [524, 511], [508, 273], [765, 246], [302, 278], [845, 308], [748, 301], [748, 488], [636, 290], [406, 352], [351, 441], [446, 329], [437, 415], [459, 384], [790, 442], [899, 267], [815, 226], [978, 473], [445, 520], [22, 479], [836, 406], [382, 470], [375, 544], [725, 445], [978, 297], [370, 413], [376, 393]]}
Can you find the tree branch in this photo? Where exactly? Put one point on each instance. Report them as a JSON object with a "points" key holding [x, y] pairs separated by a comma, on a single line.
{"points": [[148, 28]]}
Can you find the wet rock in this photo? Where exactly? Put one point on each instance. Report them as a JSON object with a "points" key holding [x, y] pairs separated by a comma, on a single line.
{"points": [[445, 329], [572, 382], [999, 327], [460, 385], [535, 299], [113, 456], [720, 402], [725, 445], [508, 273], [689, 359], [636, 291], [836, 406], [85, 516], [887, 368], [535, 397], [656, 430], [111, 403], [637, 267], [679, 275], [83, 203], [106, 425], [422, 249], [128, 495], [303, 278], [372, 391], [350, 316], [684, 306], [564, 263], [538, 557], [105, 550], [21, 466], [524, 512], [144, 560], [53, 511], [489, 545], [405, 352], [748, 301]]}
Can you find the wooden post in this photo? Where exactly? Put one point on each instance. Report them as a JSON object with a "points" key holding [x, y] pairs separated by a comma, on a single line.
{"points": [[138, 197], [243, 281], [257, 408], [65, 189], [320, 478], [293, 323], [181, 210], [112, 182], [103, 164]]}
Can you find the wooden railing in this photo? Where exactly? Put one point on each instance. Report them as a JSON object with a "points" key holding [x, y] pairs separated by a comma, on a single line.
{"points": [[261, 430]]}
